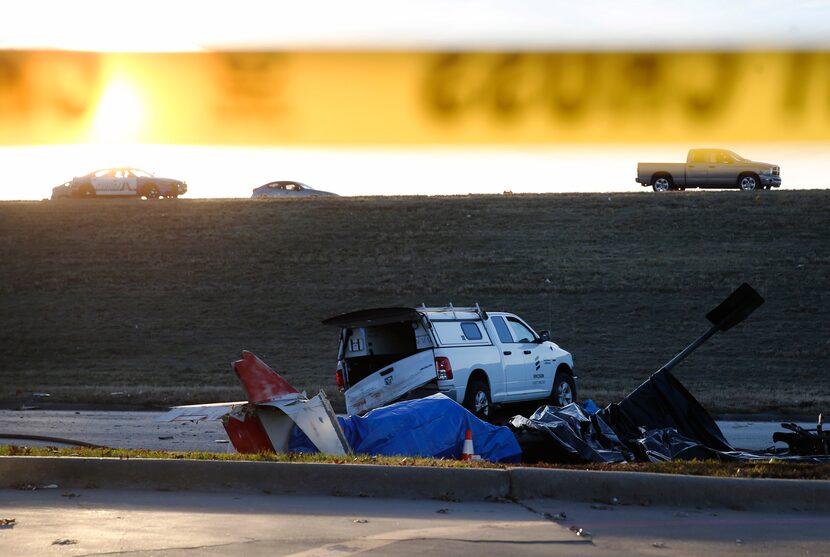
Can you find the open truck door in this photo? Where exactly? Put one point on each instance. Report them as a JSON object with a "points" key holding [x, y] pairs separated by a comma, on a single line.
{"points": [[391, 383], [385, 354]]}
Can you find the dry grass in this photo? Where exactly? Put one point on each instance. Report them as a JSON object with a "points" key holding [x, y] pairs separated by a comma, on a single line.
{"points": [[767, 469], [157, 299]]}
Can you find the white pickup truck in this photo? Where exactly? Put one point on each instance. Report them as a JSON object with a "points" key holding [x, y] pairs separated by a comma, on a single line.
{"points": [[475, 357]]}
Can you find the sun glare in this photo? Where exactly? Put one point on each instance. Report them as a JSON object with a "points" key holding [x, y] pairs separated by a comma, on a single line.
{"points": [[120, 113]]}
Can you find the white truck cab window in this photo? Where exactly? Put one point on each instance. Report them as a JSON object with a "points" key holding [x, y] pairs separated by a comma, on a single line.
{"points": [[520, 331], [457, 332], [502, 329]]}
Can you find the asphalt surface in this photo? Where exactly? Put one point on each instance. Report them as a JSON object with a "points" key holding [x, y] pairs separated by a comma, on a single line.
{"points": [[132, 522], [179, 521], [142, 430], [116, 429]]}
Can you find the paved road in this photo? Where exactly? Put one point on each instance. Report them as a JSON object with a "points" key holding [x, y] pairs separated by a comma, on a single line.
{"points": [[86, 522], [136, 430], [123, 430], [180, 523]]}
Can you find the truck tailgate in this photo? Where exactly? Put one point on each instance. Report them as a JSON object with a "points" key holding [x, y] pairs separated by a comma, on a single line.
{"points": [[391, 382]]}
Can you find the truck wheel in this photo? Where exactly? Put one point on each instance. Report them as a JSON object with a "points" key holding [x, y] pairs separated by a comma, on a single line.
{"points": [[662, 184], [564, 391], [748, 182], [477, 398]]}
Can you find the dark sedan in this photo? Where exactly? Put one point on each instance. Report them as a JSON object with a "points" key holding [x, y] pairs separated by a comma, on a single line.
{"points": [[288, 188]]}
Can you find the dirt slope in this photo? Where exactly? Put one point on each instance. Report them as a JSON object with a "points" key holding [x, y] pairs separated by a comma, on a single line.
{"points": [[155, 299]]}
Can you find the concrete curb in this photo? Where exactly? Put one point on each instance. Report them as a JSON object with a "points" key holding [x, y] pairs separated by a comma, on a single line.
{"points": [[411, 482], [641, 488], [408, 482]]}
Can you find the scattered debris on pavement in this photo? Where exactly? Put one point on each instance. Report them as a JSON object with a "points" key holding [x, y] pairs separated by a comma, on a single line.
{"points": [[7, 522], [805, 441], [64, 541], [33, 487], [581, 532], [660, 420], [278, 418]]}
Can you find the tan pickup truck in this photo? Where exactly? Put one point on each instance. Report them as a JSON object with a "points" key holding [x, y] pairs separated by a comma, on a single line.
{"points": [[709, 168]]}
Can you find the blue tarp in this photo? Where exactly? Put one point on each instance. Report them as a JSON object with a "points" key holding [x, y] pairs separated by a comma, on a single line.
{"points": [[590, 407], [428, 427]]}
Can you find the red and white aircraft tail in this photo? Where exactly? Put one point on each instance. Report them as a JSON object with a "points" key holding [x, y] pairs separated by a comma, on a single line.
{"points": [[261, 383], [274, 406]]}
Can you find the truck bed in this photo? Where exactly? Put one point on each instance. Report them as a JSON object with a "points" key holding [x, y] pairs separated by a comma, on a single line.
{"points": [[647, 170]]}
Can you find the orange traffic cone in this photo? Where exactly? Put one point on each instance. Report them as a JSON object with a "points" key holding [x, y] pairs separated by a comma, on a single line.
{"points": [[467, 453]]}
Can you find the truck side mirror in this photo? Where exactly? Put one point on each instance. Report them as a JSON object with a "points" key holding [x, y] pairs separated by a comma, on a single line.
{"points": [[544, 336]]}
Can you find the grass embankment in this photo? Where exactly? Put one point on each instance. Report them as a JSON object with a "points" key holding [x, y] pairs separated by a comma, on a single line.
{"points": [[149, 302], [766, 469]]}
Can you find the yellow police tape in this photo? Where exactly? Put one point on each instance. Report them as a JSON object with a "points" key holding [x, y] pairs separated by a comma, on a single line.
{"points": [[340, 98]]}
